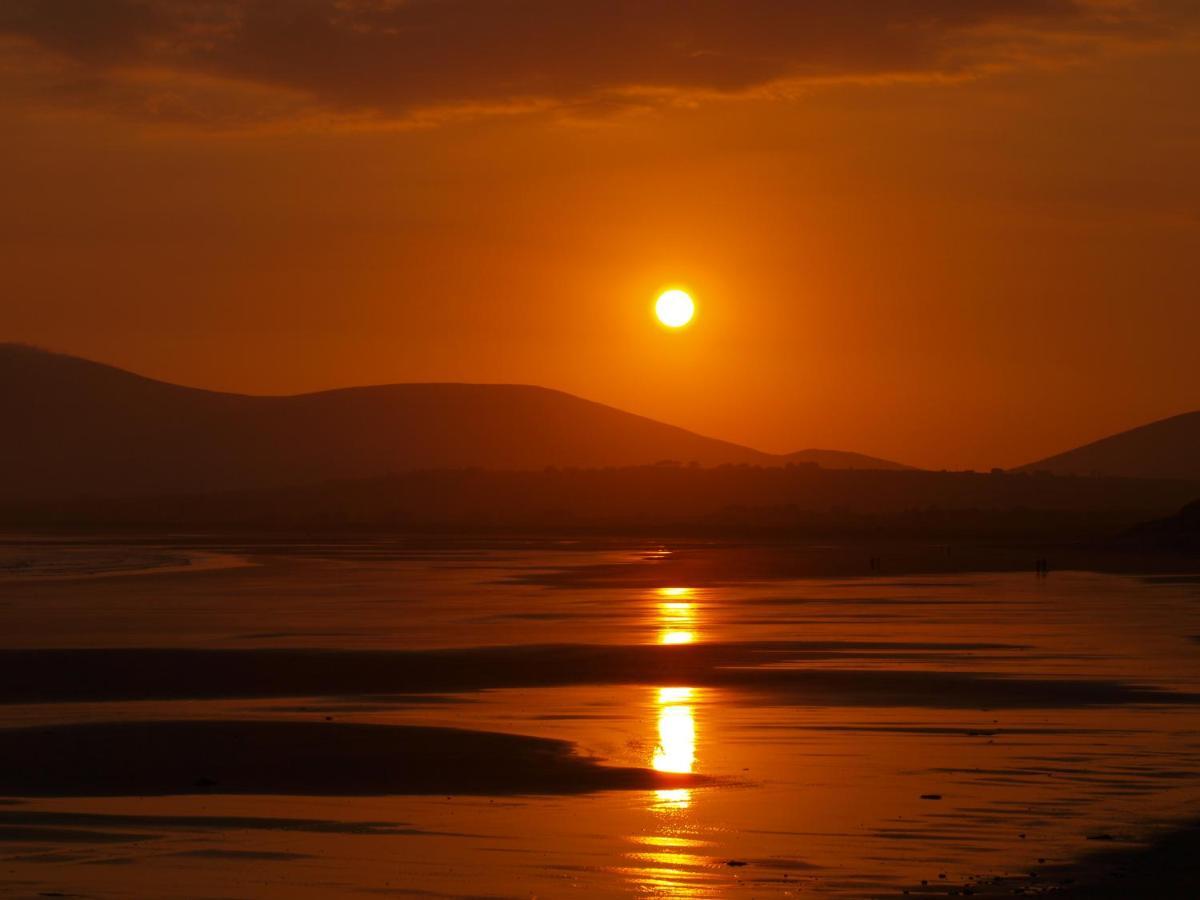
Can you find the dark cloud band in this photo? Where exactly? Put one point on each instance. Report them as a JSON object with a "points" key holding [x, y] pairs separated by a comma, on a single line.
{"points": [[394, 57]]}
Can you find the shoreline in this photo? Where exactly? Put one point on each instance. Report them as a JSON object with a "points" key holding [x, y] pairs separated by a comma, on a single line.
{"points": [[661, 559]]}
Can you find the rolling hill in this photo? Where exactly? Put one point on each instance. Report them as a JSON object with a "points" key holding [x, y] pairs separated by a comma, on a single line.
{"points": [[77, 427], [1168, 448]]}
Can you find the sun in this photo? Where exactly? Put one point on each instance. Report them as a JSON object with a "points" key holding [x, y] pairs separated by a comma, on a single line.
{"points": [[674, 308]]}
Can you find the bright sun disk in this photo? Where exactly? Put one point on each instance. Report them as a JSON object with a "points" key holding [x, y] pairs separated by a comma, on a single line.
{"points": [[674, 308]]}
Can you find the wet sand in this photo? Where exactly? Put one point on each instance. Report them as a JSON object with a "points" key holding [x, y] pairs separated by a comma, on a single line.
{"points": [[766, 671], [599, 720], [238, 757]]}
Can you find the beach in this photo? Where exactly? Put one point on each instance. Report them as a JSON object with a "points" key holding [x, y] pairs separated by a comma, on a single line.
{"points": [[370, 716]]}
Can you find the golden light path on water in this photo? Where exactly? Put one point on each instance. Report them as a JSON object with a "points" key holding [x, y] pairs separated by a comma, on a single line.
{"points": [[669, 862], [676, 615], [676, 747]]}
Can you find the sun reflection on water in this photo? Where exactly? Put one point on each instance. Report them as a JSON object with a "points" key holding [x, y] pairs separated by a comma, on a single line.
{"points": [[668, 863], [676, 615], [675, 750], [676, 747]]}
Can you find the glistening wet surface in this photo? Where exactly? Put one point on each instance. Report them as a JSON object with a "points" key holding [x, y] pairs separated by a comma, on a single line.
{"points": [[573, 723]]}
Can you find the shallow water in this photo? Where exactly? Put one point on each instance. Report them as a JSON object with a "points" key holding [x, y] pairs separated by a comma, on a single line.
{"points": [[858, 735]]}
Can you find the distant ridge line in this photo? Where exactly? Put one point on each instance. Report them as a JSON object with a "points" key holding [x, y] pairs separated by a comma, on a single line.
{"points": [[88, 428]]}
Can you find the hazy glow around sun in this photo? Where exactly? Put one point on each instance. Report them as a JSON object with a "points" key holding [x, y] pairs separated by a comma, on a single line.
{"points": [[674, 308]]}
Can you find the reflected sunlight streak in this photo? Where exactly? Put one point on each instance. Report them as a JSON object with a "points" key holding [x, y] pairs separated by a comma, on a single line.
{"points": [[665, 865], [677, 637], [676, 748], [676, 617]]}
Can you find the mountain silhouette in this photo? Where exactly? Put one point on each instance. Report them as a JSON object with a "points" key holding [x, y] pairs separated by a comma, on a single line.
{"points": [[1168, 448], [81, 428]]}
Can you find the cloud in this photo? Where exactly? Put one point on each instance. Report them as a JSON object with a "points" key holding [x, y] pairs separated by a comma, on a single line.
{"points": [[395, 59]]}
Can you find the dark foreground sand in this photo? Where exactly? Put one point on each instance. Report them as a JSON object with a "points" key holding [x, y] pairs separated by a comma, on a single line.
{"points": [[1165, 868], [311, 758]]}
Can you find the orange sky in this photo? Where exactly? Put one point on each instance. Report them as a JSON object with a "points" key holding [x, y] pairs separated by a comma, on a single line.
{"points": [[952, 234]]}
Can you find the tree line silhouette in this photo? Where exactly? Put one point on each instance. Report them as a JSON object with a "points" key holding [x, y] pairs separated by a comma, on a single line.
{"points": [[729, 499]]}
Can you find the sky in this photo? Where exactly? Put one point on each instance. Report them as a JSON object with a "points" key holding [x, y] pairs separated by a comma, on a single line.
{"points": [[954, 234]]}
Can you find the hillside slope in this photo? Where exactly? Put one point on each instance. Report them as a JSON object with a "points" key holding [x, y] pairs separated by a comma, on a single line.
{"points": [[79, 427], [1168, 448]]}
